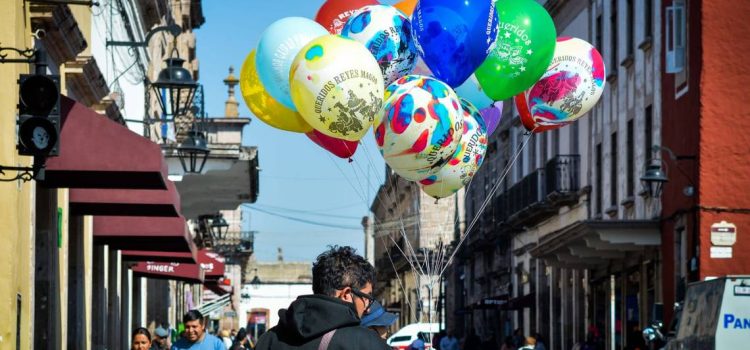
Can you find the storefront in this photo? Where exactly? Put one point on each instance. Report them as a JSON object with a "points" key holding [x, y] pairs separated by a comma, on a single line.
{"points": [[617, 262]]}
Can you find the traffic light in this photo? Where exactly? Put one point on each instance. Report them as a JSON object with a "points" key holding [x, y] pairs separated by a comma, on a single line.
{"points": [[39, 115]]}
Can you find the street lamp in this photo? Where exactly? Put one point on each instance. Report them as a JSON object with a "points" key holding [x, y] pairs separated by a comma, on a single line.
{"points": [[653, 178], [219, 226], [193, 152], [175, 88]]}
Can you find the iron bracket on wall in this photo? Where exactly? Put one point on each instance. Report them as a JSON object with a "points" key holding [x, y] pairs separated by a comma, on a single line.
{"points": [[28, 55], [89, 3], [173, 29], [24, 174]]}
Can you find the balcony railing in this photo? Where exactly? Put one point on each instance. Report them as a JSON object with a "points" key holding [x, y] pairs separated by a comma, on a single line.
{"points": [[236, 242], [540, 193]]}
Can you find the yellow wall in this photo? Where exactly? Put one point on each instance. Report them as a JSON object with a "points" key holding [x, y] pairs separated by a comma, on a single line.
{"points": [[62, 272], [16, 204]]}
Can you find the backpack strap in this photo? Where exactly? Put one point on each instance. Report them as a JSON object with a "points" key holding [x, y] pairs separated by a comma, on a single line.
{"points": [[326, 340]]}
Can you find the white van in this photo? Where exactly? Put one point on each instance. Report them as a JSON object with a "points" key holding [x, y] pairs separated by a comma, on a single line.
{"points": [[406, 335], [715, 315]]}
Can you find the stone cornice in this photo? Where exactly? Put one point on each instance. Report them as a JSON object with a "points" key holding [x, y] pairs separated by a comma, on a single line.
{"points": [[85, 80], [63, 39]]}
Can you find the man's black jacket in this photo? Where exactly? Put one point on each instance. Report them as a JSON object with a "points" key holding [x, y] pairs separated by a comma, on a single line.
{"points": [[309, 317]]}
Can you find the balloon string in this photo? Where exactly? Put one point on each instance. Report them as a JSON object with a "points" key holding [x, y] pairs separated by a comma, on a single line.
{"points": [[489, 197]]}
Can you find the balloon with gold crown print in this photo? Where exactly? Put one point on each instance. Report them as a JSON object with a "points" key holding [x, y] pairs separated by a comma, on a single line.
{"points": [[337, 86]]}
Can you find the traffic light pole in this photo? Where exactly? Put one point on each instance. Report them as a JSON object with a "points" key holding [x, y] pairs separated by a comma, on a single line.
{"points": [[39, 58]]}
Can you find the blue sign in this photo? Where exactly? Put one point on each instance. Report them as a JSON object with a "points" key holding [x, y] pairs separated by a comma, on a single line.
{"points": [[730, 321]]}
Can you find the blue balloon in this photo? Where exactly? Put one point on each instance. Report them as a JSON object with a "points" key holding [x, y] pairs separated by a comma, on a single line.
{"points": [[454, 36], [471, 91], [278, 46]]}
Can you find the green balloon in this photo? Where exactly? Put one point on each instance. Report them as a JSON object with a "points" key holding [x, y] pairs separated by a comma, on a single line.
{"points": [[523, 49]]}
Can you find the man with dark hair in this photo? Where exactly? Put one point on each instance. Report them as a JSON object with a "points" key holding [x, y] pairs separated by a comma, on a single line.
{"points": [[196, 337], [330, 318]]}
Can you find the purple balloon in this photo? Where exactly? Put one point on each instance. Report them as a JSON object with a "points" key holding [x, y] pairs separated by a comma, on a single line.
{"points": [[492, 116]]}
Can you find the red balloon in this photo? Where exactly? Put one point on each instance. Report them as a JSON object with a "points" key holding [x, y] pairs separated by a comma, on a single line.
{"points": [[340, 148], [528, 122], [334, 13]]}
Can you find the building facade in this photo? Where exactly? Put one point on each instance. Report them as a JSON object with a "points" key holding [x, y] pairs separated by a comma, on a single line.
{"points": [[98, 242], [568, 247], [702, 107]]}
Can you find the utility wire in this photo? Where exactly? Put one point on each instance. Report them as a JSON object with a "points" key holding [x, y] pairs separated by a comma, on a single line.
{"points": [[306, 221], [305, 212]]}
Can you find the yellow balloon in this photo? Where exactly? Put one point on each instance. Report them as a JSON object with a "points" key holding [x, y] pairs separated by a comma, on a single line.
{"points": [[265, 107], [337, 86]]}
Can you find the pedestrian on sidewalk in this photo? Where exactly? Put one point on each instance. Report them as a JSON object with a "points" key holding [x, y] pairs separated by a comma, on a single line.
{"points": [[530, 344], [449, 342], [330, 318], [196, 337], [141, 339], [378, 320], [161, 339], [225, 338], [242, 341]]}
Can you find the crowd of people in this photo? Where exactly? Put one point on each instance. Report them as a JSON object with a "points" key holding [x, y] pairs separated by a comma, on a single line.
{"points": [[340, 314]]}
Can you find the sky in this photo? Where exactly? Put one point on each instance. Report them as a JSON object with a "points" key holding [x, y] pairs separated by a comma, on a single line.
{"points": [[322, 197]]}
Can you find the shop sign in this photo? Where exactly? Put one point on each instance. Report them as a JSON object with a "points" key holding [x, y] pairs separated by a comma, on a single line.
{"points": [[742, 290], [723, 234], [721, 252]]}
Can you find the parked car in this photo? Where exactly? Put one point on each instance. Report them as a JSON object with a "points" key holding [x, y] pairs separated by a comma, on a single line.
{"points": [[406, 335]]}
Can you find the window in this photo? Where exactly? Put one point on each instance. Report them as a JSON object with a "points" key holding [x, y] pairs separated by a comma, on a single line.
{"points": [[532, 155], [630, 30], [555, 142], [613, 33], [676, 37], [648, 137], [599, 44], [631, 160], [519, 143], [599, 189], [648, 18], [680, 263], [545, 151], [19, 306], [613, 170], [574, 148]]}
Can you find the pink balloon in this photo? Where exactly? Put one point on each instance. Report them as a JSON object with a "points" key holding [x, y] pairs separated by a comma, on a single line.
{"points": [[339, 148]]}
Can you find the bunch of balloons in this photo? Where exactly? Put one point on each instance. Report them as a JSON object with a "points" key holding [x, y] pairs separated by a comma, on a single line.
{"points": [[428, 75]]}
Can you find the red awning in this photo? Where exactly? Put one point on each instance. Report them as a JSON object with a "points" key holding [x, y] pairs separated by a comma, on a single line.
{"points": [[212, 263], [217, 288], [167, 234], [190, 273], [118, 202], [96, 152], [144, 255]]}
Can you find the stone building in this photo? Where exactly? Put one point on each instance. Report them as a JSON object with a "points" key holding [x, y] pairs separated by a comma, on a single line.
{"points": [[411, 234], [86, 236], [570, 229]]}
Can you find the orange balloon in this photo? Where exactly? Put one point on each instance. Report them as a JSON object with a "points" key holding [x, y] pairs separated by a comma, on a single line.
{"points": [[406, 6]]}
